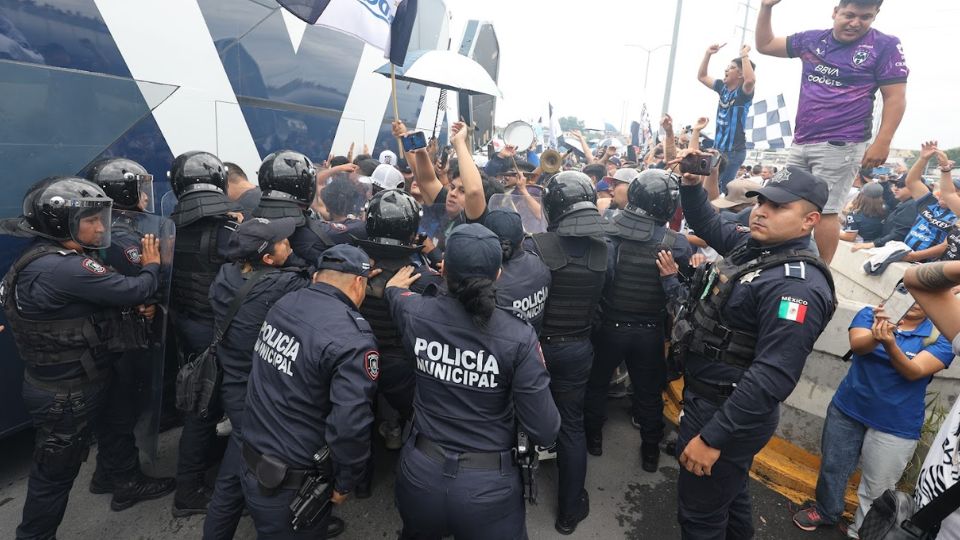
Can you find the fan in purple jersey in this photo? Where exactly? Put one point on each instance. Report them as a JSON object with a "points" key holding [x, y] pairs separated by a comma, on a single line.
{"points": [[843, 67]]}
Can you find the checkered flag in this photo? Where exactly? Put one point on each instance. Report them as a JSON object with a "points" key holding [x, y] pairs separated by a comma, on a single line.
{"points": [[768, 126]]}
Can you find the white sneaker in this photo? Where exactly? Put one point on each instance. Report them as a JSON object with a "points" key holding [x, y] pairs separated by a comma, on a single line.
{"points": [[224, 428], [391, 435]]}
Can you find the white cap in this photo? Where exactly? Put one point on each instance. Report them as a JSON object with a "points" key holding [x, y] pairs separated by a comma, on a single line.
{"points": [[388, 157], [387, 177]]}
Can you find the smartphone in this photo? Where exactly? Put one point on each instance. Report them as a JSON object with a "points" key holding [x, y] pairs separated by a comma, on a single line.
{"points": [[695, 164], [414, 141], [898, 303]]}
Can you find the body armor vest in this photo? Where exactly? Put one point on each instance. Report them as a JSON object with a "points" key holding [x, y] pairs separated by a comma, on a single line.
{"points": [[710, 334], [637, 288], [67, 341], [375, 307], [196, 263], [576, 285]]}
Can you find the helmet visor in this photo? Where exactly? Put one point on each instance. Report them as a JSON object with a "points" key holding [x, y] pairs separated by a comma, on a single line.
{"points": [[145, 183], [90, 222]]}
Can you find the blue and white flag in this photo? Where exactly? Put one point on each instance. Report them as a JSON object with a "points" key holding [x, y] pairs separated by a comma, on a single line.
{"points": [[384, 24]]}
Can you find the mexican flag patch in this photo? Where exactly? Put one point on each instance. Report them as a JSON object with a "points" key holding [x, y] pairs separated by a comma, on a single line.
{"points": [[792, 309]]}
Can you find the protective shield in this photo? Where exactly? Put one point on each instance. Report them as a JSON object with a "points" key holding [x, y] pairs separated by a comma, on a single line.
{"points": [[143, 369], [89, 222], [529, 208], [167, 203], [434, 222]]}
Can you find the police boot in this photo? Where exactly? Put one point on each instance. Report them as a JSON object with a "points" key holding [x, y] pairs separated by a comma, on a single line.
{"points": [[335, 527], [101, 482], [191, 498], [650, 456], [140, 488], [568, 524], [595, 442]]}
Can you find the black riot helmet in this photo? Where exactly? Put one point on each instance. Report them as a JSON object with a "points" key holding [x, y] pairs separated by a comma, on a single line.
{"points": [[197, 171], [288, 175], [654, 194], [570, 205], [68, 208], [125, 181], [393, 217]]}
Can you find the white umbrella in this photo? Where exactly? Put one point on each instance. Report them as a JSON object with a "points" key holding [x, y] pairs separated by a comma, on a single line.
{"points": [[447, 70], [612, 141]]}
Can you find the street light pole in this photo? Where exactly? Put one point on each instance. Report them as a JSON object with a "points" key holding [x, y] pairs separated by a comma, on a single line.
{"points": [[673, 58], [646, 71]]}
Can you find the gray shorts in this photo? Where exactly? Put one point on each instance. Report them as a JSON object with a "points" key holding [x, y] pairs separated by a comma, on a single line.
{"points": [[835, 165]]}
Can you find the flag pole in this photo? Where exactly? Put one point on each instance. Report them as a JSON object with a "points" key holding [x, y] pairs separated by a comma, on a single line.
{"points": [[396, 106]]}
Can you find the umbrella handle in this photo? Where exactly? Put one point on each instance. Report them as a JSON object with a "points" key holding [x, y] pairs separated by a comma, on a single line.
{"points": [[396, 106]]}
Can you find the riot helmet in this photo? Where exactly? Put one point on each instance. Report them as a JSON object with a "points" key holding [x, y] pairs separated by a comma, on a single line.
{"points": [[125, 181], [654, 194], [289, 175], [393, 217], [64, 208], [570, 206], [197, 171]]}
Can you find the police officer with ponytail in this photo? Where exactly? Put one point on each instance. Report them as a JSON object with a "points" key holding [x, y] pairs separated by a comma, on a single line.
{"points": [[480, 372], [753, 320], [68, 314], [634, 310], [524, 282]]}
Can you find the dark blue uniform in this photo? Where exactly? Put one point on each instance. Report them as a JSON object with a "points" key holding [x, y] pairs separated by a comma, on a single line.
{"points": [[249, 201], [315, 366], [523, 286], [233, 353], [344, 232], [456, 473], [65, 400], [312, 239], [787, 307], [636, 339]]}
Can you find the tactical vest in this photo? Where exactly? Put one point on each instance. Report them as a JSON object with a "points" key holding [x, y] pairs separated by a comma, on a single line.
{"points": [[575, 288], [711, 335], [196, 263], [78, 340], [637, 288]]}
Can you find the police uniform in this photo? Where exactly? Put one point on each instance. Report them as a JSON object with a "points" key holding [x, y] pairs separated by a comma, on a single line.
{"points": [[473, 385], [318, 352], [754, 320], [524, 282], [70, 318], [252, 239], [575, 251], [634, 310]]}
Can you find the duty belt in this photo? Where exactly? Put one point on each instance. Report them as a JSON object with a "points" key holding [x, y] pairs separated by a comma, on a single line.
{"points": [[565, 338], [292, 480], [490, 461], [618, 324], [713, 392]]}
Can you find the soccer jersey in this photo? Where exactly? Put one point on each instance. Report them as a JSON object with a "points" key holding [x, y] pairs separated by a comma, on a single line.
{"points": [[840, 82], [732, 110]]}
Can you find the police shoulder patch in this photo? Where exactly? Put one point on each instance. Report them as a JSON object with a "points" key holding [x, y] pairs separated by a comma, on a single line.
{"points": [[371, 364], [93, 266], [132, 254]]}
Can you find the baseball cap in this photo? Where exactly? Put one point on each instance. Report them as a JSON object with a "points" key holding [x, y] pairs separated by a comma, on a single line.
{"points": [[506, 224], [388, 157], [345, 258], [626, 175], [737, 194], [872, 190], [605, 184], [793, 184], [472, 250], [255, 236], [367, 166], [387, 177], [615, 160]]}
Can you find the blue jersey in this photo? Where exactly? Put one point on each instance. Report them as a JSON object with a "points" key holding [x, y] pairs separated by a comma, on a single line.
{"points": [[932, 225], [732, 111]]}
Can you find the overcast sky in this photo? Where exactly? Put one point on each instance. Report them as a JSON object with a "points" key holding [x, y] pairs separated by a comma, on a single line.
{"points": [[576, 55]]}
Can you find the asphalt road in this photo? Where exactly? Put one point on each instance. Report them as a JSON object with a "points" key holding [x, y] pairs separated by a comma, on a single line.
{"points": [[625, 501]]}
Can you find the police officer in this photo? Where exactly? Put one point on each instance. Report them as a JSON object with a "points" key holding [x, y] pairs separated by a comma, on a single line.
{"points": [[256, 278], [136, 380], [316, 350], [289, 183], [479, 372], [205, 220], [575, 250], [524, 282], [69, 316], [634, 309], [754, 319]]}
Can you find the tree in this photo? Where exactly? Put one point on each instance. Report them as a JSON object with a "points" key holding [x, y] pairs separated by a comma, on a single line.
{"points": [[568, 123], [954, 154]]}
